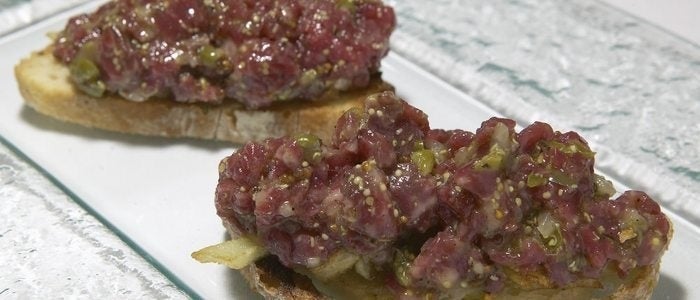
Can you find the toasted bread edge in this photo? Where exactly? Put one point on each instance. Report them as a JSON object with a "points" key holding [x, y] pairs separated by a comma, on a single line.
{"points": [[274, 281], [45, 86]]}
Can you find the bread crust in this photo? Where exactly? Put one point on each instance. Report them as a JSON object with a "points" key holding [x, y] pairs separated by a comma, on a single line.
{"points": [[272, 280], [46, 87]]}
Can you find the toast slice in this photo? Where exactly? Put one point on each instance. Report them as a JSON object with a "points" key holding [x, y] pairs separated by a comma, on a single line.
{"points": [[45, 85], [272, 280], [286, 216]]}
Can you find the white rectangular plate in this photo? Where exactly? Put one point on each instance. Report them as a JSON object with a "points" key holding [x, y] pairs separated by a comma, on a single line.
{"points": [[157, 194]]}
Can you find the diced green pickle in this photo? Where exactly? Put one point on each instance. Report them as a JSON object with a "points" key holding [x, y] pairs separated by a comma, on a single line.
{"points": [[84, 73], [402, 264], [573, 148], [602, 186], [424, 160], [464, 155], [440, 153], [346, 4], [418, 145], [308, 77], [534, 180], [562, 178], [554, 241], [501, 136], [93, 88], [89, 51], [549, 230], [556, 145], [633, 225], [578, 147], [493, 160], [83, 70]]}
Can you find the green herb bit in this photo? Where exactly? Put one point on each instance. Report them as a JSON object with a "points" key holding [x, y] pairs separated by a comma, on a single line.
{"points": [[424, 160]]}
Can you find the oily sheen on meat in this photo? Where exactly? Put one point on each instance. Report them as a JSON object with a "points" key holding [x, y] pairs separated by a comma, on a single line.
{"points": [[257, 52], [438, 211]]}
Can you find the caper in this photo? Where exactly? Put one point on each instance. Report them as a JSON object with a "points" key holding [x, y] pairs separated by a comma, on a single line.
{"points": [[286, 179], [311, 145], [209, 56], [424, 160], [308, 77], [307, 140]]}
